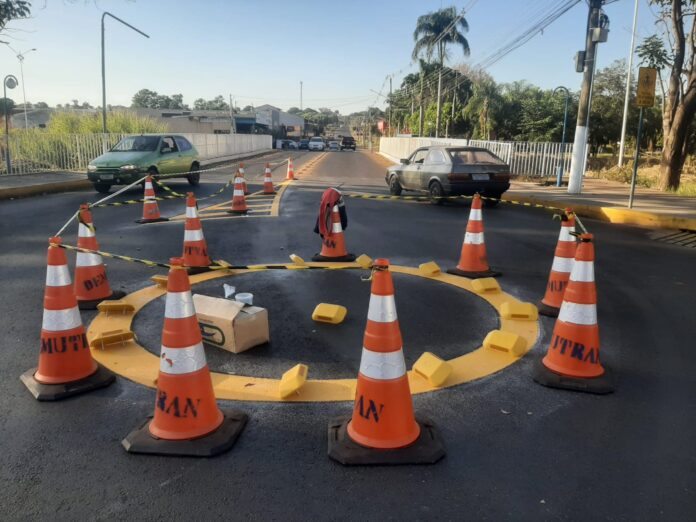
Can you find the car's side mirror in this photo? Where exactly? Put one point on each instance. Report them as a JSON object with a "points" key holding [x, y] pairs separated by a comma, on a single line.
{"points": [[404, 161], [165, 150]]}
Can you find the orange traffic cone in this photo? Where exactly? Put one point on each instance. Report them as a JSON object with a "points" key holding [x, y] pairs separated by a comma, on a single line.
{"points": [[91, 284], [268, 187], [291, 170], [383, 428], [151, 213], [562, 265], [572, 361], [66, 367], [196, 258], [241, 175], [333, 244], [473, 262], [239, 205], [187, 420]]}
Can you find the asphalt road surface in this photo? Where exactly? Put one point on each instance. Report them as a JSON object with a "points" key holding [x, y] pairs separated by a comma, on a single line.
{"points": [[515, 450]]}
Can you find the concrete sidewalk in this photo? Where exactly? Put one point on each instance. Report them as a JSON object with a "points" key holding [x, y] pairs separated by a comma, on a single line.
{"points": [[23, 185], [608, 201]]}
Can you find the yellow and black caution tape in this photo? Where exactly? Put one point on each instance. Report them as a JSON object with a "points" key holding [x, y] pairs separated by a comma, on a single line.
{"points": [[175, 194], [132, 202], [220, 264]]}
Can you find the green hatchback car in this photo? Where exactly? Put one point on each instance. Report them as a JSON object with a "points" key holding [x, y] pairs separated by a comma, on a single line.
{"points": [[134, 156]]}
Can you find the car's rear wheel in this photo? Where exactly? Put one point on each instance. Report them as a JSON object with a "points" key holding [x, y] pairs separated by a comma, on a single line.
{"points": [[195, 177], [395, 187], [436, 193], [102, 188]]}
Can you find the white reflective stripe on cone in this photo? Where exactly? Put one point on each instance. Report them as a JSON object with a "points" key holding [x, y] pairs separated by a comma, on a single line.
{"points": [[59, 320], [583, 272], [565, 234], [241, 171], [177, 361], [238, 192], [382, 309], [239, 180], [473, 238], [191, 212], [148, 185], [336, 228], [193, 235], [84, 259], [382, 366], [84, 231], [179, 305], [475, 214], [562, 264], [335, 209], [57, 275], [578, 313]]}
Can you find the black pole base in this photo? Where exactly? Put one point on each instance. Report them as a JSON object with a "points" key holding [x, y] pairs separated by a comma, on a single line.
{"points": [[473, 275], [55, 392], [348, 258], [92, 305], [548, 311], [427, 449], [238, 212], [598, 385], [146, 221], [221, 440]]}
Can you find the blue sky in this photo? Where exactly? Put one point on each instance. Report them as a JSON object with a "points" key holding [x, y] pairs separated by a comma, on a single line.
{"points": [[259, 50]]}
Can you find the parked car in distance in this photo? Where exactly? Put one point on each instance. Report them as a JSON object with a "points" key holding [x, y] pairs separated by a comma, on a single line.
{"points": [[304, 144], [316, 143], [450, 171], [334, 145], [134, 156], [348, 142], [290, 144]]}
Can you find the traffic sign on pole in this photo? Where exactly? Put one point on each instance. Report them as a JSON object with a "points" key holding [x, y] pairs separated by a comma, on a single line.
{"points": [[645, 94]]}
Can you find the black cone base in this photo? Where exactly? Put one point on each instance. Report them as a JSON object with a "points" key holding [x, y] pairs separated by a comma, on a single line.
{"points": [[473, 275], [599, 385], [548, 311], [143, 221], [193, 270], [55, 392], [92, 305], [215, 443], [427, 449], [348, 258]]}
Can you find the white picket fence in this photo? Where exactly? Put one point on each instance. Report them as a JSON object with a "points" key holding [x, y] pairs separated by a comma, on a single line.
{"points": [[36, 151], [526, 158]]}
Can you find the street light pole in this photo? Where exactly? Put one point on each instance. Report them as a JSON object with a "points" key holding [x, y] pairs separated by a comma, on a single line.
{"points": [[559, 168], [103, 65], [20, 58], [11, 82], [622, 146]]}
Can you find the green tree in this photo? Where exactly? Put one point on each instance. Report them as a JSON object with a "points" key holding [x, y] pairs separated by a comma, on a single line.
{"points": [[41, 105], [13, 10], [6, 105], [434, 32]]}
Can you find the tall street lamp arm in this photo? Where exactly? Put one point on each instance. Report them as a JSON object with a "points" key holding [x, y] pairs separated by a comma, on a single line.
{"points": [[103, 64]]}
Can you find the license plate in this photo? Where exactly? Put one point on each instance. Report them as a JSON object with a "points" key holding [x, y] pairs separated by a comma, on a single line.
{"points": [[480, 177], [106, 176]]}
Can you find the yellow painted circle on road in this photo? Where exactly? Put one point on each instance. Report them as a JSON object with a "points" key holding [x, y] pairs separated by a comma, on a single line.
{"points": [[132, 361]]}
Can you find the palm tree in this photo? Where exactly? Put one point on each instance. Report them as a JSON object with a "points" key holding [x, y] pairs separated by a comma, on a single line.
{"points": [[434, 33]]}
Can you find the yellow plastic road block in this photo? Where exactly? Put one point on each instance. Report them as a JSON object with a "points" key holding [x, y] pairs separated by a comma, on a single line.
{"points": [[517, 310], [506, 342], [429, 269], [116, 306], [431, 367], [105, 339], [160, 280], [364, 261], [486, 285], [329, 313], [293, 380], [297, 260]]}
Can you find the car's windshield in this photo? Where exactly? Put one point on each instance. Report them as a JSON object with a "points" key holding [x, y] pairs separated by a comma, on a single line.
{"points": [[463, 156], [137, 143], [316, 139]]}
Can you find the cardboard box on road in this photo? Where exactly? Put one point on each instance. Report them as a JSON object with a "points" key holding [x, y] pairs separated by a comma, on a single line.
{"points": [[230, 325]]}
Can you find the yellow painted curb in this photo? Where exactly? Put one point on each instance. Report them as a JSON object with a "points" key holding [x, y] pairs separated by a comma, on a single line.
{"points": [[132, 361]]}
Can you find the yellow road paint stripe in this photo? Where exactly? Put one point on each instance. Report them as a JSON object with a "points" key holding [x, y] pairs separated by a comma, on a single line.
{"points": [[134, 362]]}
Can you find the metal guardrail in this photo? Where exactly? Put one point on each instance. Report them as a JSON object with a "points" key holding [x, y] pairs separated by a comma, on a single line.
{"points": [[37, 151]]}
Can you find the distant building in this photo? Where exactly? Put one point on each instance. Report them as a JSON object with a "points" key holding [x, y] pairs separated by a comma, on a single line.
{"points": [[186, 120], [278, 121]]}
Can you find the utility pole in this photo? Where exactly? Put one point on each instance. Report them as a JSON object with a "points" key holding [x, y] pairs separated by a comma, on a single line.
{"points": [[628, 86], [597, 29], [420, 113], [439, 94], [390, 106], [300, 94]]}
